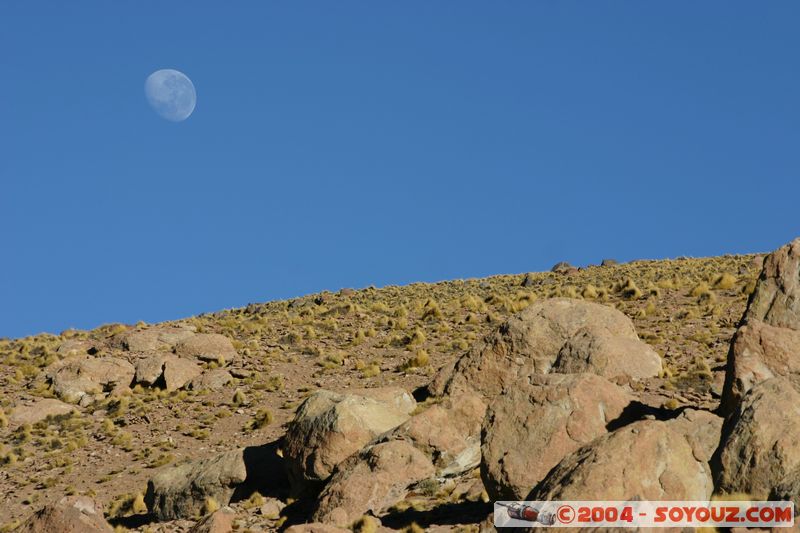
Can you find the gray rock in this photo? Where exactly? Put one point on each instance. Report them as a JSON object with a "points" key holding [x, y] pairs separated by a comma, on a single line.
{"points": [[561, 268], [766, 344], [181, 491]]}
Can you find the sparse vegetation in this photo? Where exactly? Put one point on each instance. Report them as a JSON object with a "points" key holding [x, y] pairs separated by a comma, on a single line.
{"points": [[685, 309], [262, 418]]}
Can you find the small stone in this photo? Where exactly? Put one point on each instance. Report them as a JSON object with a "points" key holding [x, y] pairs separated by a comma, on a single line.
{"points": [[272, 508], [220, 521]]}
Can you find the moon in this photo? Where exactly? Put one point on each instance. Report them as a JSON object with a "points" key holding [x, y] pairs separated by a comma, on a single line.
{"points": [[171, 94]]}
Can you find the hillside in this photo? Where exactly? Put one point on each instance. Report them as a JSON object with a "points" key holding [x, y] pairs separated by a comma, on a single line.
{"points": [[115, 440]]}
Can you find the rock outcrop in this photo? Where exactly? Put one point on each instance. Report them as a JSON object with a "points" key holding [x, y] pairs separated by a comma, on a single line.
{"points": [[211, 380], [78, 376], [168, 370], [181, 491], [443, 440], [767, 343], [760, 450], [77, 347], [316, 527]]}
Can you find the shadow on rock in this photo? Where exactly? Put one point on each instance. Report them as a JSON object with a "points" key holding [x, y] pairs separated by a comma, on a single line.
{"points": [[637, 410], [266, 473], [444, 514]]}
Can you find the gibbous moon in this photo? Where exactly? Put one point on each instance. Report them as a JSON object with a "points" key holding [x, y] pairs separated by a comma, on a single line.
{"points": [[171, 94]]}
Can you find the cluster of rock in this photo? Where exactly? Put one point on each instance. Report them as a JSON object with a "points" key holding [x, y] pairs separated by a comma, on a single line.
{"points": [[361, 452], [169, 357], [543, 405]]}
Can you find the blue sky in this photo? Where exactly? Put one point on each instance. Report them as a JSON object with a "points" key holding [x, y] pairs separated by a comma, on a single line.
{"points": [[366, 143]]}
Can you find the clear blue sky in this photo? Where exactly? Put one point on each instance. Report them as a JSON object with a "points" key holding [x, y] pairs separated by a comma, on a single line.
{"points": [[369, 143]]}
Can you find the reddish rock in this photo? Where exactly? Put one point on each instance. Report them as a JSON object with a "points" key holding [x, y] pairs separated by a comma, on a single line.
{"points": [[220, 521], [38, 411], [766, 344], [646, 460], [371, 481], [533, 426], [327, 429], [73, 514]]}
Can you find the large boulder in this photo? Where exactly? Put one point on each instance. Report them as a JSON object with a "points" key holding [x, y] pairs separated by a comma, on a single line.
{"points": [[607, 355], [533, 426], [758, 352], [75, 377], [767, 343], [760, 448], [328, 428], [529, 343], [776, 299], [207, 347], [371, 481], [448, 432], [646, 460], [38, 410], [72, 514], [181, 491]]}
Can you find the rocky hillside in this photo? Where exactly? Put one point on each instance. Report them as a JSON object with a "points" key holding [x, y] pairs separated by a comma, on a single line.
{"points": [[412, 407]]}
